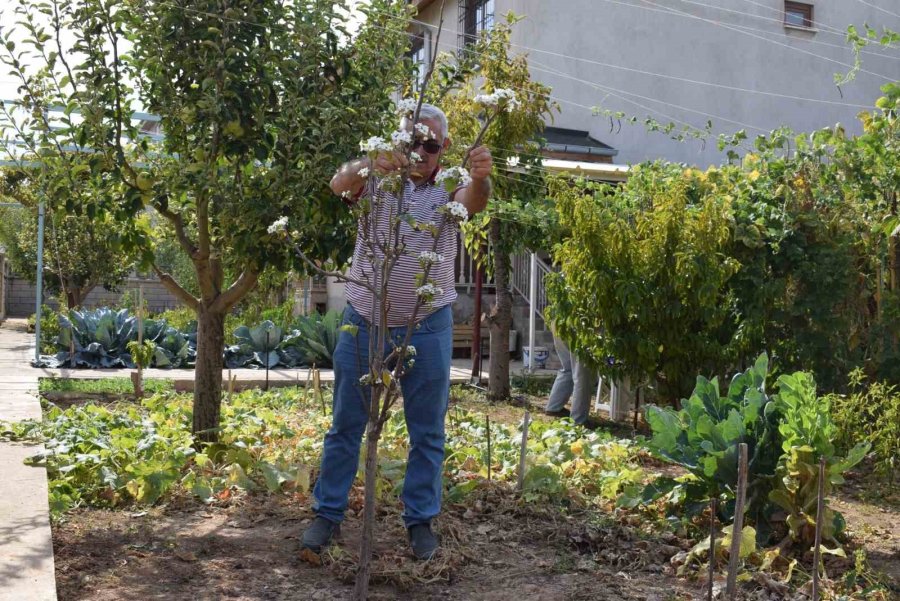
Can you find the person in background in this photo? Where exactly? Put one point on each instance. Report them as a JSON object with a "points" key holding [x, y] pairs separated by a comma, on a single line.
{"points": [[573, 380]]}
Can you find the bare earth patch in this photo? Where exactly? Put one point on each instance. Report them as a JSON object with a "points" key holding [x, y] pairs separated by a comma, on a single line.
{"points": [[250, 551]]}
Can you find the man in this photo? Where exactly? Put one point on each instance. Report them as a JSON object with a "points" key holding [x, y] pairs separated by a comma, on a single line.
{"points": [[426, 386], [574, 379]]}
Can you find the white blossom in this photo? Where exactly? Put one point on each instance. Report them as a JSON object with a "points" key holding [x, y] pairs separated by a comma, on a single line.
{"points": [[401, 136], [428, 257], [458, 175], [457, 210], [375, 144], [364, 172], [415, 157], [424, 131], [279, 225], [429, 291], [501, 97], [410, 350], [406, 106], [512, 161]]}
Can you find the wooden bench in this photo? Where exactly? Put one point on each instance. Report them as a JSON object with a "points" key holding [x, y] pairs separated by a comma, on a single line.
{"points": [[462, 339]]}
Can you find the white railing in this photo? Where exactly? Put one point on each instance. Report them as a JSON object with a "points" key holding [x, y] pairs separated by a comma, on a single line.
{"points": [[465, 267], [520, 280]]}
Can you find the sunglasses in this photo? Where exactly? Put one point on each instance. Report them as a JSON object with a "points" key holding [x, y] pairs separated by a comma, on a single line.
{"points": [[430, 146]]}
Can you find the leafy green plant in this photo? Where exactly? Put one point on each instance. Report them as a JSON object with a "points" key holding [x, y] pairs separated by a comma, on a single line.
{"points": [[312, 341], [99, 338], [703, 438], [871, 412], [141, 352], [101, 385], [49, 329], [807, 434], [255, 346]]}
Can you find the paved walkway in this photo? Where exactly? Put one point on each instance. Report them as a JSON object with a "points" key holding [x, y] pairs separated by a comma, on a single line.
{"points": [[26, 546]]}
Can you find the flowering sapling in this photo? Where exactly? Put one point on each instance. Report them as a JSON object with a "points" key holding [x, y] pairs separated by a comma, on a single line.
{"points": [[423, 132], [429, 292], [456, 211], [278, 226], [374, 145], [400, 138], [406, 107], [430, 258], [453, 178]]}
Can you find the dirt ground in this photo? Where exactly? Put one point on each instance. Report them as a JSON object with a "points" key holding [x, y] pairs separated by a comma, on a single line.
{"points": [[250, 551]]}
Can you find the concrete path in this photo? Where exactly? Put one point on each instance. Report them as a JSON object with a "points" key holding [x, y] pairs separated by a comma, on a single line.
{"points": [[26, 546]]}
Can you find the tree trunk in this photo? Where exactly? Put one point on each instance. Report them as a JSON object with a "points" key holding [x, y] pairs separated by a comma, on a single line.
{"points": [[208, 375], [500, 321], [361, 589]]}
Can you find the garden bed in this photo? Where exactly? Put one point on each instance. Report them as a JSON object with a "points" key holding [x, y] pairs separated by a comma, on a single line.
{"points": [[227, 526]]}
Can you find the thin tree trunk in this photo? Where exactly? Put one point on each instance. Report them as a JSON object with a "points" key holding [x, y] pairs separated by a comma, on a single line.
{"points": [[208, 375], [500, 321], [361, 590]]}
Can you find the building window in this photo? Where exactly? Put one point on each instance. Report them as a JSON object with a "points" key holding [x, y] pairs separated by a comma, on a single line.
{"points": [[475, 16], [798, 14], [418, 53]]}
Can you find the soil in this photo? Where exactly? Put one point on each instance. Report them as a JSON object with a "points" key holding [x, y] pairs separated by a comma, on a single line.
{"points": [[250, 551]]}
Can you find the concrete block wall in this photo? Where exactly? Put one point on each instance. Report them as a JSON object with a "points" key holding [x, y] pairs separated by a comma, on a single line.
{"points": [[21, 296]]}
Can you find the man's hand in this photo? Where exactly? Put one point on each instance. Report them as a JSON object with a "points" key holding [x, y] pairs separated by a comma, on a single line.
{"points": [[480, 163], [388, 162]]}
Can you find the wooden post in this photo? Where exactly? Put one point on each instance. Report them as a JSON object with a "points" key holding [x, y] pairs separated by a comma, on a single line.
{"points": [[139, 384], [713, 509], [637, 405], [487, 420], [267, 361], [737, 527], [526, 421], [820, 515]]}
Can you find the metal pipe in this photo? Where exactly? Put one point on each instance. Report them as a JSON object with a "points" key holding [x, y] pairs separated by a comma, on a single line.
{"points": [[532, 310], [476, 329], [40, 284]]}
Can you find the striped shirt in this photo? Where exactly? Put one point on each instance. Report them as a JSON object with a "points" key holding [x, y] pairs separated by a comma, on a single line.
{"points": [[423, 203]]}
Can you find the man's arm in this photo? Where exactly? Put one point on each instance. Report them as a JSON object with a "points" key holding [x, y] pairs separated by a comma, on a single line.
{"points": [[475, 196], [348, 179]]}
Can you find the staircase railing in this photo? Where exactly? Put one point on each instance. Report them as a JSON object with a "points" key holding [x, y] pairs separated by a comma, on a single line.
{"points": [[520, 280]]}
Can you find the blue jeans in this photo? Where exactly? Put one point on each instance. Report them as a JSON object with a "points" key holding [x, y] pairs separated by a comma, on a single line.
{"points": [[426, 391]]}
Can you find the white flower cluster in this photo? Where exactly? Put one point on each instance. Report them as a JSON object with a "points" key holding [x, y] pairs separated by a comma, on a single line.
{"points": [[279, 225], [364, 172], [424, 131], [458, 175], [415, 157], [406, 106], [410, 350], [502, 97], [457, 210], [428, 257], [400, 137], [513, 161], [375, 144], [429, 291]]}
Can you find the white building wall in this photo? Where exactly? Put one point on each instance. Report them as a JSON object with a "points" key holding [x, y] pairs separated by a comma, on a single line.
{"points": [[752, 51]]}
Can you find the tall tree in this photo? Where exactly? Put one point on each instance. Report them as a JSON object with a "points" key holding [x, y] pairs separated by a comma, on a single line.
{"points": [[79, 255], [518, 217], [253, 98]]}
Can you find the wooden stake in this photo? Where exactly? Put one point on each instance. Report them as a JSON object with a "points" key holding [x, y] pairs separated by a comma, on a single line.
{"points": [[487, 419], [526, 421], [820, 515], [713, 509], [737, 527]]}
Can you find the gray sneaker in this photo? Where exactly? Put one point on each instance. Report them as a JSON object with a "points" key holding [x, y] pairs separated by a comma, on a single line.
{"points": [[319, 534], [424, 542]]}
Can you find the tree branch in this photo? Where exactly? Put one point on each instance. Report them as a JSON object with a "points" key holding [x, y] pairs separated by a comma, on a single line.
{"points": [[178, 223], [225, 301], [175, 288]]}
